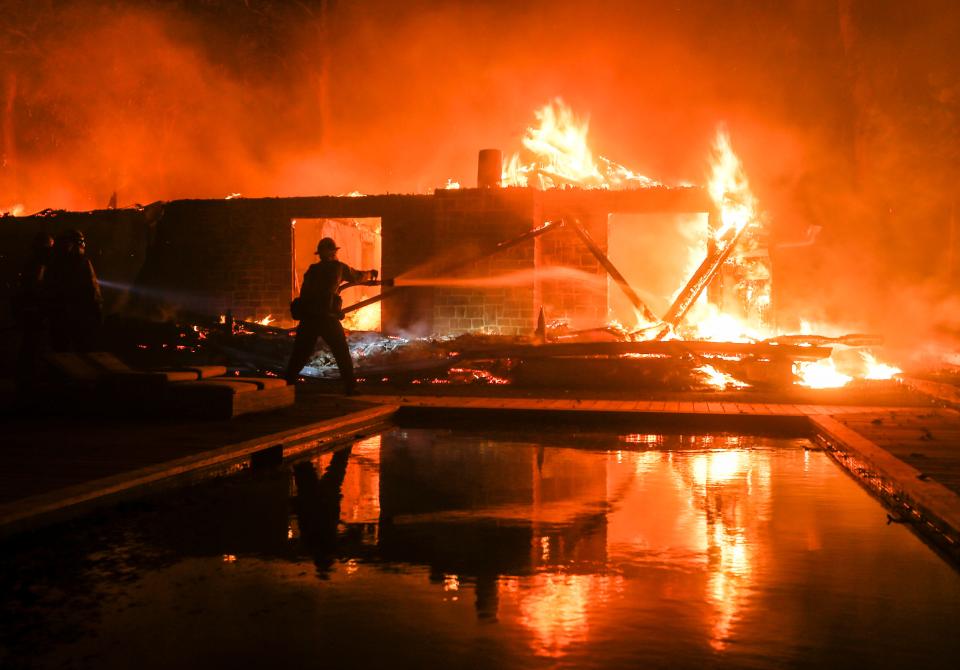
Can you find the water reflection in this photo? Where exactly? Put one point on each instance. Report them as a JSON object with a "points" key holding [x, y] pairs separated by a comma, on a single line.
{"points": [[516, 549], [547, 532]]}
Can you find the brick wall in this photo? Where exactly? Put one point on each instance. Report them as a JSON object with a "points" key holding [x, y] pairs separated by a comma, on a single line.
{"points": [[582, 301], [213, 256], [209, 256], [468, 222]]}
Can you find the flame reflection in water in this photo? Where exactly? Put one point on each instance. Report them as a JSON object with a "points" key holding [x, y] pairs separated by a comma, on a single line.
{"points": [[703, 501]]}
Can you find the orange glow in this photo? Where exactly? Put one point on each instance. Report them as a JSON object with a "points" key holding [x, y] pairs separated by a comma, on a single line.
{"points": [[266, 321], [729, 188], [707, 322], [365, 318], [555, 608], [878, 370], [820, 374], [720, 380], [825, 373], [733, 488], [558, 155]]}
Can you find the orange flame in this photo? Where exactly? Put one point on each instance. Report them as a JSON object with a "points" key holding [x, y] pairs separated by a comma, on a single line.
{"points": [[729, 188], [556, 153], [365, 318], [824, 373], [720, 380], [820, 374], [559, 155]]}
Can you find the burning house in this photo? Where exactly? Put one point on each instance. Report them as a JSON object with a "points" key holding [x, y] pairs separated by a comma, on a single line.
{"points": [[550, 241]]}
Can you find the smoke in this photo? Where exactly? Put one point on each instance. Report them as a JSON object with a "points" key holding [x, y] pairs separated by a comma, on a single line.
{"points": [[844, 113], [519, 278]]}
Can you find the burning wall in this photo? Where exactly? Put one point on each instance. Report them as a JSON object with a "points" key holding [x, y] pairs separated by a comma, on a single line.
{"points": [[210, 256]]}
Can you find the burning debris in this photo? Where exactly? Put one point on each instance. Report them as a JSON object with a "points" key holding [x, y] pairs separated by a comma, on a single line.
{"points": [[715, 330]]}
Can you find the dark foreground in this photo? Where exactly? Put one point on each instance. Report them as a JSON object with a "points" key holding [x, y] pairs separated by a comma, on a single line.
{"points": [[536, 548]]}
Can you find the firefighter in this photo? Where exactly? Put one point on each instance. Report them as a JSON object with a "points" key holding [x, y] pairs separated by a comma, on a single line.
{"points": [[319, 312], [31, 310], [73, 294]]}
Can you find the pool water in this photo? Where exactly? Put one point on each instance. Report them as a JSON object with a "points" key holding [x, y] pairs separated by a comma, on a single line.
{"points": [[467, 548]]}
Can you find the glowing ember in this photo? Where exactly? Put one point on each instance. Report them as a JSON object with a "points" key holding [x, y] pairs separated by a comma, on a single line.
{"points": [[878, 370], [719, 380], [559, 156], [709, 323], [820, 374], [365, 318], [471, 375]]}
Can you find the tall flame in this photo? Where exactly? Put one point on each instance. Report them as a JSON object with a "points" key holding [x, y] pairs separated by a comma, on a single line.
{"points": [[559, 155], [729, 188], [556, 153]]}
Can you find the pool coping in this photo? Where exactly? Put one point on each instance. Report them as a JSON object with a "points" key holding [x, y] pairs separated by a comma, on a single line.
{"points": [[931, 508], [64, 503]]}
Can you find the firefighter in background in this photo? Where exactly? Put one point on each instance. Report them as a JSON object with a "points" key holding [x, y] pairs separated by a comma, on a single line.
{"points": [[318, 309], [73, 295], [31, 309]]}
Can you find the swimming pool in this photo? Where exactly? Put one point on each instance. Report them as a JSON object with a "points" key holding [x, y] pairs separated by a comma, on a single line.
{"points": [[558, 547]]}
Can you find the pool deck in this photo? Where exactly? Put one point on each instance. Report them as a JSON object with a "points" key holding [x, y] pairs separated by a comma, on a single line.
{"points": [[900, 444], [58, 467]]}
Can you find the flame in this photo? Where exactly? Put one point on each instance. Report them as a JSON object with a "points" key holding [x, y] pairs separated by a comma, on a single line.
{"points": [[560, 156], [720, 380], [451, 185], [365, 318], [556, 153], [729, 188], [820, 374], [878, 370], [15, 209], [707, 322], [266, 321], [825, 373]]}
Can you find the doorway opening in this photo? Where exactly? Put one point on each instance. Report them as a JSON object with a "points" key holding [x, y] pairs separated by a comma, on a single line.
{"points": [[360, 248]]}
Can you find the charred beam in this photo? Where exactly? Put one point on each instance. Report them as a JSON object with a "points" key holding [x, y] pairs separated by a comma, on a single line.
{"points": [[699, 281], [613, 272]]}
